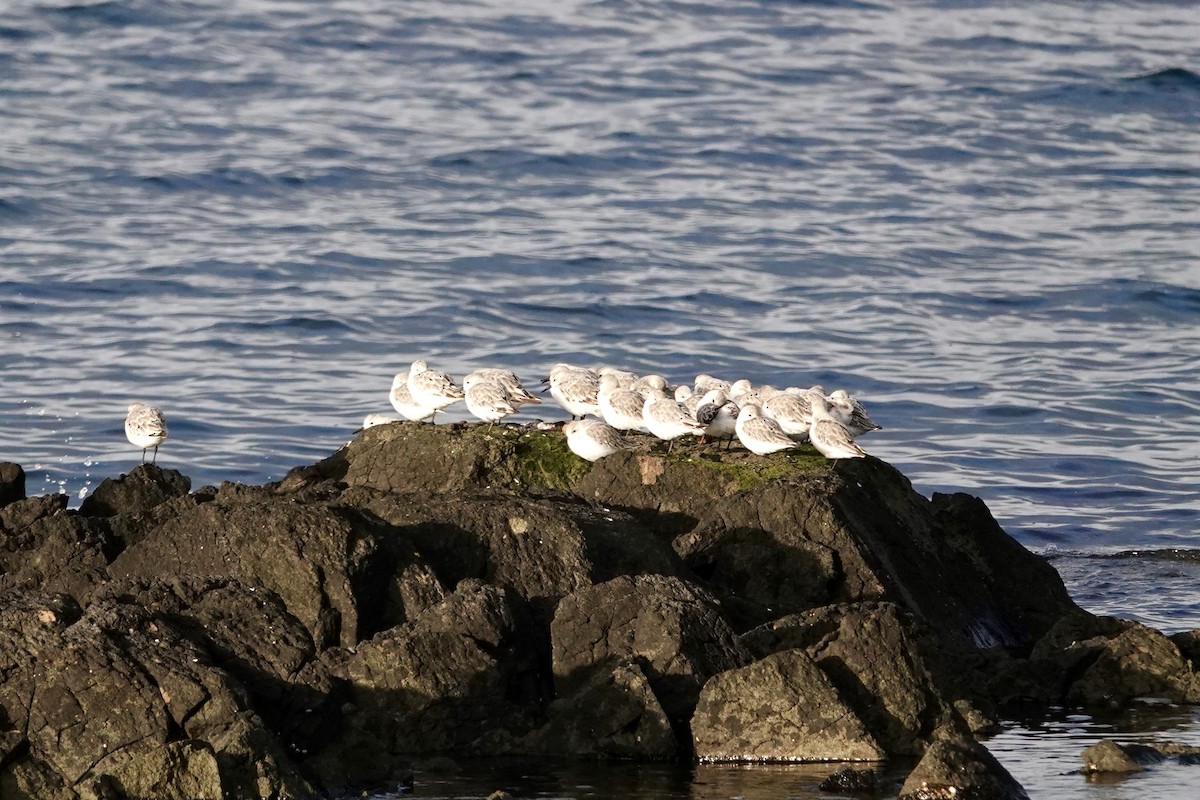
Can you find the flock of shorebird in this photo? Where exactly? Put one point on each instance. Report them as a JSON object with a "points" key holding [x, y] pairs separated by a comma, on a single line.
{"points": [[764, 419]]}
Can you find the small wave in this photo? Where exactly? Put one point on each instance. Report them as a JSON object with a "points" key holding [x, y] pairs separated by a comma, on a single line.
{"points": [[1171, 79]]}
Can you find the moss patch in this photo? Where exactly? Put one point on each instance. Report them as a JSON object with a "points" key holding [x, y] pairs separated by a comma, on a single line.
{"points": [[748, 471], [542, 458]]}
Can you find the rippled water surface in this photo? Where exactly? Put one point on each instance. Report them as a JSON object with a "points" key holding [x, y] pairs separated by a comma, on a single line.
{"points": [[979, 217]]}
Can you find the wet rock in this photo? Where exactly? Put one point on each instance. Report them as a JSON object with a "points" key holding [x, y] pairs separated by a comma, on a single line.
{"points": [[615, 715], [1188, 643], [673, 630], [146, 486], [1108, 756], [50, 549], [873, 654], [851, 781], [780, 708], [12, 483], [956, 767], [1104, 661]]}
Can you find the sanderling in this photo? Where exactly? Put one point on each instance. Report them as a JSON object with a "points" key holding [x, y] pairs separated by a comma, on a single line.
{"points": [[371, 420], [850, 412], [591, 439], [432, 388], [621, 408], [625, 378], [648, 382], [517, 393], [760, 435], [687, 398], [487, 399], [792, 411], [666, 419], [706, 383], [145, 427], [575, 389], [718, 414], [403, 402], [830, 436]]}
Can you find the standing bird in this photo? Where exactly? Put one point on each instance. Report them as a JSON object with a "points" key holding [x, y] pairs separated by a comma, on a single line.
{"points": [[402, 401], [620, 407], [591, 439], [575, 389], [667, 419], [145, 427], [851, 413], [718, 414], [830, 436], [432, 388], [487, 398], [517, 394], [761, 435]]}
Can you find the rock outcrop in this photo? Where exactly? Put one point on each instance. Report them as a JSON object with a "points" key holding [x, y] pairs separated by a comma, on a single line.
{"points": [[481, 590]]}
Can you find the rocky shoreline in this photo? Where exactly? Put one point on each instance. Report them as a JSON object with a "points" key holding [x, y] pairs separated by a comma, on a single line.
{"points": [[480, 590]]}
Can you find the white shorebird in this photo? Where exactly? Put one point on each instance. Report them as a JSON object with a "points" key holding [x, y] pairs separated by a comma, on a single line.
{"points": [[850, 412], [646, 383], [625, 378], [793, 412], [575, 389], [621, 408], [718, 414], [487, 398], [145, 427], [591, 439], [402, 401], [517, 394], [371, 420], [761, 435], [666, 419], [432, 388], [706, 383], [830, 436], [687, 398]]}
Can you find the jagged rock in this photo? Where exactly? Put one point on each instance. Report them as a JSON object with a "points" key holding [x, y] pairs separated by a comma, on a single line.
{"points": [[542, 548], [146, 486], [327, 563], [20, 513], [1108, 661], [52, 550], [466, 667], [12, 483], [613, 716], [1188, 643], [956, 767], [780, 708], [673, 629], [120, 682], [872, 653]]}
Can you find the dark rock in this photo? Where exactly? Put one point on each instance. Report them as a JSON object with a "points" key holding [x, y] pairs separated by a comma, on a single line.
{"points": [[459, 671], [121, 682], [12, 483], [1188, 643], [1107, 756], [146, 486], [956, 767], [873, 654], [54, 550], [542, 549], [672, 629], [21, 513], [327, 563], [1104, 661], [615, 715], [780, 708], [851, 781]]}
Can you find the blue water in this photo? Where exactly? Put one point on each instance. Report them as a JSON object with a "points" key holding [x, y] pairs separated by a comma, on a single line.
{"points": [[982, 219]]}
